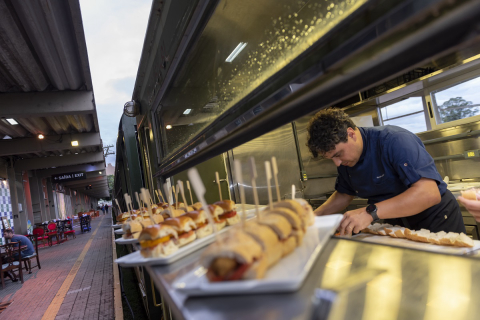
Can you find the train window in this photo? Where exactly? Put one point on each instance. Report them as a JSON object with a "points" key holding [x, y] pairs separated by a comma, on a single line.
{"points": [[241, 47], [457, 102], [408, 113]]}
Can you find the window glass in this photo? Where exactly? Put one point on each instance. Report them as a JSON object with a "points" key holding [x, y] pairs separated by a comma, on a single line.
{"points": [[243, 44], [408, 114], [457, 102]]}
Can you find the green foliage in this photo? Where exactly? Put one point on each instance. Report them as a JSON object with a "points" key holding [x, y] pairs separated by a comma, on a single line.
{"points": [[111, 180], [455, 109]]}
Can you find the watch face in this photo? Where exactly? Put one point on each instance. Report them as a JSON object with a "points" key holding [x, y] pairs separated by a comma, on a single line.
{"points": [[371, 208]]}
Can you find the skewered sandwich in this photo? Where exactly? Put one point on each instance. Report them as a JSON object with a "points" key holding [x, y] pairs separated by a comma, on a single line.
{"points": [[229, 213], [203, 227], [158, 241], [185, 228]]}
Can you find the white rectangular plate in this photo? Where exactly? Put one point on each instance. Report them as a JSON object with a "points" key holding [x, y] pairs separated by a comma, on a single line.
{"points": [[126, 241], [119, 231], [387, 240], [116, 226], [285, 276], [135, 259]]}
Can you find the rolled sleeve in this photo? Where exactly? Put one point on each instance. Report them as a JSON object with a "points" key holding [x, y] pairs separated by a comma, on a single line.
{"points": [[411, 161]]}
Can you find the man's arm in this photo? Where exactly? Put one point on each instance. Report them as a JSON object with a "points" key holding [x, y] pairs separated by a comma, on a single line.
{"points": [[336, 203], [421, 195]]}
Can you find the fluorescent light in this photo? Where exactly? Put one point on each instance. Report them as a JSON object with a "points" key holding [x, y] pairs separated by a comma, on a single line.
{"points": [[11, 121], [168, 126], [99, 172], [41, 136], [187, 111], [75, 143], [236, 51]]}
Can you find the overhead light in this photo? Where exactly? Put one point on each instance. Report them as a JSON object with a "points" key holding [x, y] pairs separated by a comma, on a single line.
{"points": [[41, 136], [74, 143], [76, 152], [99, 172], [187, 111], [236, 51], [168, 126], [11, 121]]}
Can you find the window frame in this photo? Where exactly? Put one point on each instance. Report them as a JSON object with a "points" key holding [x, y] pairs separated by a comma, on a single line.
{"points": [[443, 85]]}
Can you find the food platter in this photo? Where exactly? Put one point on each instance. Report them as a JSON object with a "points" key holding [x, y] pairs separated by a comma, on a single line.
{"points": [[135, 259], [286, 276], [116, 226]]}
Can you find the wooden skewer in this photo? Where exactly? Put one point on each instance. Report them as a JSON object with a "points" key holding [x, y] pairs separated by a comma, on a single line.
{"points": [[176, 197], [128, 201], [275, 178], [293, 192], [190, 190], [182, 192], [119, 209], [146, 198], [269, 177], [168, 192], [199, 189], [138, 201], [253, 174], [159, 195], [217, 179], [238, 175]]}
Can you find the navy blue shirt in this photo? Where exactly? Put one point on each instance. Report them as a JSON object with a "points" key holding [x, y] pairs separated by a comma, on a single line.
{"points": [[24, 241], [392, 160]]}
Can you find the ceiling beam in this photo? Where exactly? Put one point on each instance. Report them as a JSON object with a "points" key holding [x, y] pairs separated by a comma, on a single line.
{"points": [[93, 167], [10, 147], [69, 160], [46, 104]]}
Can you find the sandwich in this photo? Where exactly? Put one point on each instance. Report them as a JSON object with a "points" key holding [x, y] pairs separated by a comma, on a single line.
{"points": [[470, 194], [295, 207], [238, 256], [186, 209], [171, 212], [132, 226], [123, 217], [308, 210], [216, 211], [267, 239], [294, 221], [185, 228], [197, 206], [229, 213], [203, 227], [178, 205], [157, 241], [283, 230]]}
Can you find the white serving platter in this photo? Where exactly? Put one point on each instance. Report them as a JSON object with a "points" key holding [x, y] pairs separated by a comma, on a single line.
{"points": [[287, 275], [119, 231], [405, 243], [135, 259], [116, 226], [126, 241]]}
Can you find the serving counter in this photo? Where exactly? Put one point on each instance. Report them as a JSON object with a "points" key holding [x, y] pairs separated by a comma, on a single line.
{"points": [[350, 280]]}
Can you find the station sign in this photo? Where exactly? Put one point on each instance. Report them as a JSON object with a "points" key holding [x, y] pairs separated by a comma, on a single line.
{"points": [[72, 176]]}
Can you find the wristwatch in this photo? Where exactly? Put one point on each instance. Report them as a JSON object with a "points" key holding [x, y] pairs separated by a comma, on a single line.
{"points": [[372, 210]]}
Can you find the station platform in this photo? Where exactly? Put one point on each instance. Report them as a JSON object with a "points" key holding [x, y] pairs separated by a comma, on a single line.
{"points": [[76, 280]]}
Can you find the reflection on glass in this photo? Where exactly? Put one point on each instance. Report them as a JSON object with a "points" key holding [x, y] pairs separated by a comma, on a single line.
{"points": [[384, 293], [242, 46], [408, 114], [450, 288], [457, 102]]}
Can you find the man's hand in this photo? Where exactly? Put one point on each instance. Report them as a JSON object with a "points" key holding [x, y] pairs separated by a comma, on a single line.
{"points": [[473, 206], [354, 221]]}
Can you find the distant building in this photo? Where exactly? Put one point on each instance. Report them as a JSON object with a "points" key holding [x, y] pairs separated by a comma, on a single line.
{"points": [[110, 169]]}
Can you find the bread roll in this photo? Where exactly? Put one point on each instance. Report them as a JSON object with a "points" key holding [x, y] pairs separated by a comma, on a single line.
{"points": [[267, 239], [470, 194]]}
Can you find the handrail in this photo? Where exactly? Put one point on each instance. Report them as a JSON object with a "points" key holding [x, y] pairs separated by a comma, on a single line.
{"points": [[469, 133]]}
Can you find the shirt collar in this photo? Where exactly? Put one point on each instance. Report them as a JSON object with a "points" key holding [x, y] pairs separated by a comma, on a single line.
{"points": [[365, 143]]}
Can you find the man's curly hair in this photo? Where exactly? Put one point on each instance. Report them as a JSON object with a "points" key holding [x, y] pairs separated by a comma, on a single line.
{"points": [[326, 129]]}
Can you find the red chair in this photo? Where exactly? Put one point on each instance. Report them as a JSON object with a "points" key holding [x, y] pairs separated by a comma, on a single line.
{"points": [[39, 232], [52, 232], [69, 230]]}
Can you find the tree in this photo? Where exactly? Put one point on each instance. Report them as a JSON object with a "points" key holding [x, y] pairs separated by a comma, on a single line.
{"points": [[111, 180], [456, 108]]}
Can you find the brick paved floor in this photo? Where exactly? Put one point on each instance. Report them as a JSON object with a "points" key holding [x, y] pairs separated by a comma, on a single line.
{"points": [[90, 295]]}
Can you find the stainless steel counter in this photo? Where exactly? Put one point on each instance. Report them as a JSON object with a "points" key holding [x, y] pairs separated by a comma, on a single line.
{"points": [[370, 281]]}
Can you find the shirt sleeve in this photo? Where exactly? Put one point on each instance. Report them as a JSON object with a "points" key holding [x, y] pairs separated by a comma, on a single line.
{"points": [[342, 186], [410, 159]]}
